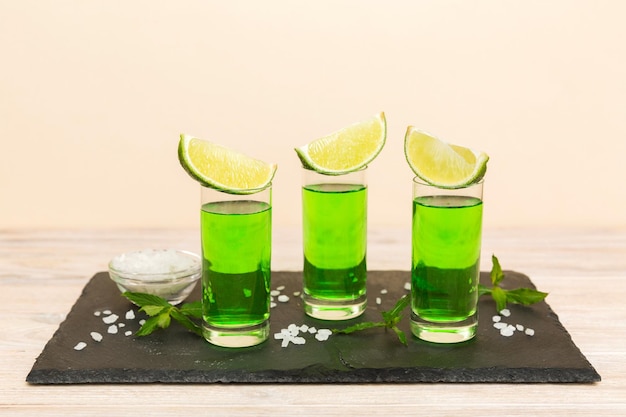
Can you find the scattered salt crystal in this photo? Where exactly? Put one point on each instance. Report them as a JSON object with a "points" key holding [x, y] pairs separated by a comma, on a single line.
{"points": [[130, 315], [530, 332], [293, 328], [274, 293], [285, 342], [321, 337], [496, 319], [500, 325], [505, 312], [299, 340], [112, 329], [407, 286], [272, 304], [280, 288], [106, 312], [296, 294], [323, 334], [121, 324], [378, 300], [142, 322], [507, 331], [80, 346], [279, 335], [383, 291], [304, 328], [312, 330], [110, 319], [97, 313], [283, 298], [127, 333], [519, 327], [96, 336]]}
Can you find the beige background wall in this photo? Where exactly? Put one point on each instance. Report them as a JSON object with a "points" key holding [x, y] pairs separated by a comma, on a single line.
{"points": [[93, 96]]}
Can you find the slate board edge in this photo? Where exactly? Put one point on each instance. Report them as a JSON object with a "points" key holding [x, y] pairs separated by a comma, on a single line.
{"points": [[415, 375]]}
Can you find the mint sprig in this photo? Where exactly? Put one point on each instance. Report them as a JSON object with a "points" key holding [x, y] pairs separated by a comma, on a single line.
{"points": [[390, 320], [162, 312], [524, 296]]}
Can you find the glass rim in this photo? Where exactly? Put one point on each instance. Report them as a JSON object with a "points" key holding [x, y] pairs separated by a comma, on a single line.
{"points": [[334, 174], [420, 181], [247, 191]]}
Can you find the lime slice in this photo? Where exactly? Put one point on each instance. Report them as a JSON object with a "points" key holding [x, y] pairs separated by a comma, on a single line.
{"points": [[442, 164], [346, 150], [222, 168]]}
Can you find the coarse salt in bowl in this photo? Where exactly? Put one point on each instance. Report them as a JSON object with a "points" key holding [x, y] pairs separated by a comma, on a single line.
{"points": [[170, 274]]}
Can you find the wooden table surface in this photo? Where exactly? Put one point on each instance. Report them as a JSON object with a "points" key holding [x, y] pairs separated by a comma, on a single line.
{"points": [[42, 274]]}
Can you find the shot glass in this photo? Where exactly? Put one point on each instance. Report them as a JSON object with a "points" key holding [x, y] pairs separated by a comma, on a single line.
{"points": [[236, 235], [334, 217], [446, 243]]}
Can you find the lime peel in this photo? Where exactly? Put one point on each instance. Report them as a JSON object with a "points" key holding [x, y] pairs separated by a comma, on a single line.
{"points": [[224, 169], [442, 164], [346, 150]]}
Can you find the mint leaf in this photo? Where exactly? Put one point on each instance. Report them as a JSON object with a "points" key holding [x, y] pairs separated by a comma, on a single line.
{"points": [[180, 317], [496, 271], [152, 310], [360, 326], [525, 296], [143, 299], [148, 327], [401, 304], [163, 320], [401, 335], [499, 296], [192, 309]]}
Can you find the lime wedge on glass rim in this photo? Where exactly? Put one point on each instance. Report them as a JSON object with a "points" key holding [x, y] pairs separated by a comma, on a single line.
{"points": [[222, 168], [346, 150], [442, 164]]}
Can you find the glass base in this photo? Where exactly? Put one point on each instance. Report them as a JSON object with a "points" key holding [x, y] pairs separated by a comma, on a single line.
{"points": [[444, 332], [334, 310], [236, 337]]}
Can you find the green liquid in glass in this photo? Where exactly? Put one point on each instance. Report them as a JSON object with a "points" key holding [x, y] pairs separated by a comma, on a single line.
{"points": [[446, 255], [335, 240], [236, 251]]}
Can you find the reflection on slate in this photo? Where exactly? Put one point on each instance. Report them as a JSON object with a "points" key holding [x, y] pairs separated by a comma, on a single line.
{"points": [[371, 356]]}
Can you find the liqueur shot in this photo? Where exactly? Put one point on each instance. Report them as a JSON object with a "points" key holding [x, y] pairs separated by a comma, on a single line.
{"points": [[334, 215], [446, 242], [236, 234]]}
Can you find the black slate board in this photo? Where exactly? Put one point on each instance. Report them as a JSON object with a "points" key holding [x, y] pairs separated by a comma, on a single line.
{"points": [[371, 356]]}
